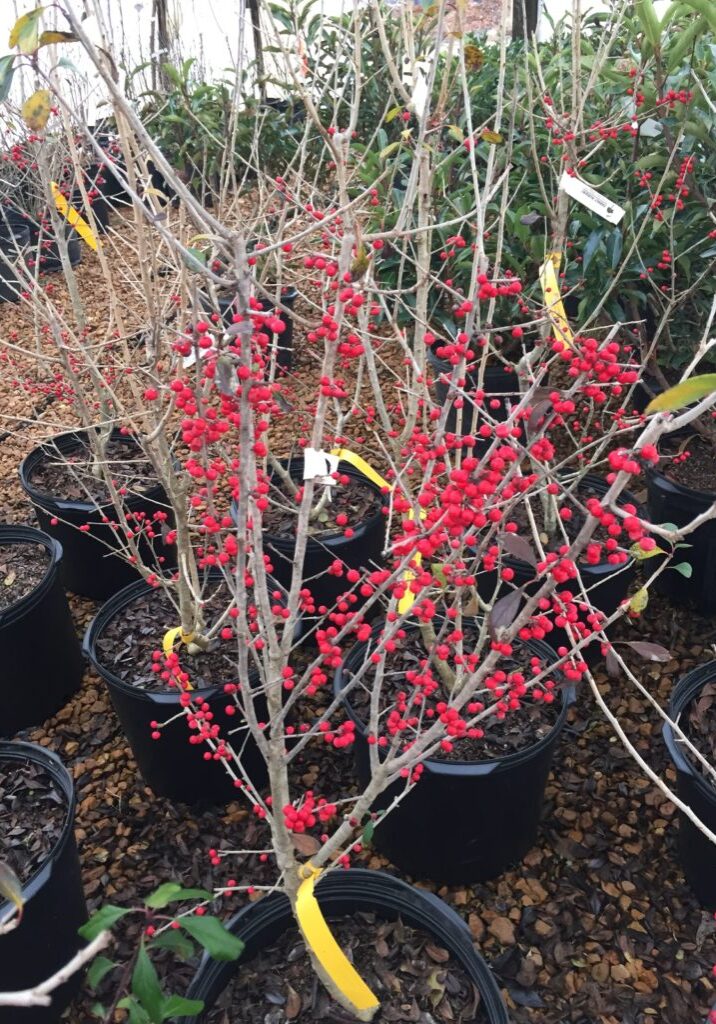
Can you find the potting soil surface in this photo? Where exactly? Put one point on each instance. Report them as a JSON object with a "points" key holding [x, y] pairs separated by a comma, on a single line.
{"points": [[22, 568], [594, 926]]}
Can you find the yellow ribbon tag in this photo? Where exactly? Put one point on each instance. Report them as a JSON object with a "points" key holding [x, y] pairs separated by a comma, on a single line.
{"points": [[170, 638], [320, 938], [408, 599], [553, 299], [361, 465], [73, 218]]}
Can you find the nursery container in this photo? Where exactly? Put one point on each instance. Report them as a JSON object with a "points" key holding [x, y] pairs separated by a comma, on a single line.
{"points": [[341, 894], [361, 551], [697, 853], [499, 383], [607, 584], [49, 255], [671, 502], [171, 766], [284, 341], [464, 821], [14, 237], [91, 566], [42, 660], [101, 207], [54, 906]]}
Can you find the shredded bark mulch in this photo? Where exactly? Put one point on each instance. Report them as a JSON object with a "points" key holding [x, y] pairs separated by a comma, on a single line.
{"points": [[699, 724], [516, 730], [414, 978], [22, 568], [33, 812], [128, 641], [69, 476], [355, 500], [698, 469]]}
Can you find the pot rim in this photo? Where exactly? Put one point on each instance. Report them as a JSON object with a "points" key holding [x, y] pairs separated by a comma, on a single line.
{"points": [[70, 440], [659, 478], [328, 540], [380, 891], [112, 607], [686, 689], [22, 535], [482, 767], [21, 750]]}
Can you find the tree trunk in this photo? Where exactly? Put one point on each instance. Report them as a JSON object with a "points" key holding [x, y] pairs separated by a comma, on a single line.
{"points": [[163, 39], [525, 15]]}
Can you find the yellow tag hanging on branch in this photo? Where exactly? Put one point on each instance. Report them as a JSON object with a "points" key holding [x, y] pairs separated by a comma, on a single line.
{"points": [[73, 218], [321, 941], [408, 599], [553, 299]]}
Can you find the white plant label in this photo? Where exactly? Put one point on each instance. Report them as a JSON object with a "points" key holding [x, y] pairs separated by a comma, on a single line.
{"points": [[593, 200], [318, 465]]}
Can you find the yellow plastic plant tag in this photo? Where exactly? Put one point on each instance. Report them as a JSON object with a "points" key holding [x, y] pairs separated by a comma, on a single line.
{"points": [[73, 218], [553, 299], [408, 599], [170, 638], [361, 465], [320, 939]]}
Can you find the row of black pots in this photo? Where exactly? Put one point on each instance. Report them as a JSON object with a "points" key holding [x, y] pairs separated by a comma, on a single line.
{"points": [[55, 909]]}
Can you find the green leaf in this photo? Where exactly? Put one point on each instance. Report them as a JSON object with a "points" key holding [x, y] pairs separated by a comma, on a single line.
{"points": [[145, 985], [392, 114], [638, 552], [391, 148], [65, 62], [195, 258], [25, 32], [176, 941], [100, 967], [170, 892], [175, 1006], [7, 70], [590, 247], [686, 570], [210, 933], [639, 601], [683, 394], [368, 832], [101, 920], [137, 1015]]}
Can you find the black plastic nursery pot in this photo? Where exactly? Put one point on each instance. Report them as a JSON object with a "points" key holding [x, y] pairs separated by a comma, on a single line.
{"points": [[283, 341], [42, 660], [14, 238], [101, 207], [500, 384], [54, 906], [91, 566], [46, 250], [362, 551], [671, 502], [607, 585], [342, 894], [696, 852], [171, 766], [464, 821]]}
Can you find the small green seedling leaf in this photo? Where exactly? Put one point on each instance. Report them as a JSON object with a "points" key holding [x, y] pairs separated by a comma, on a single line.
{"points": [[210, 933], [178, 1006], [100, 967], [145, 985], [176, 941], [685, 569], [683, 394], [101, 920], [171, 892]]}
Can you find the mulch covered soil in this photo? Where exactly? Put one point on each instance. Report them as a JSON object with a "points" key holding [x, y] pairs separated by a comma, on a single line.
{"points": [[596, 926]]}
